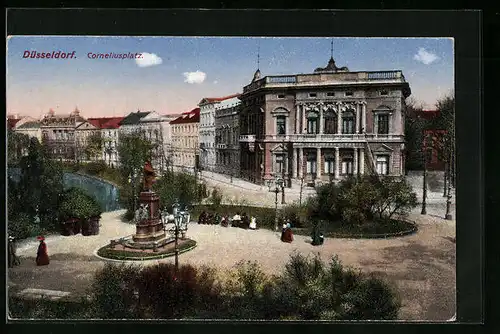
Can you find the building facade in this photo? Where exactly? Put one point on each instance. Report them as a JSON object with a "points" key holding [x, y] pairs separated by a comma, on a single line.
{"points": [[227, 146], [156, 129], [323, 126], [58, 133], [109, 127], [83, 133], [185, 146], [31, 129], [207, 130]]}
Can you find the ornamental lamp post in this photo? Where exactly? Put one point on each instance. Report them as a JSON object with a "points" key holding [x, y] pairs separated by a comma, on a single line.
{"points": [[448, 215], [180, 220], [424, 186], [278, 185]]}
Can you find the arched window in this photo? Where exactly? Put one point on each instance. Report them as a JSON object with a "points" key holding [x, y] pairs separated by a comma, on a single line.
{"points": [[312, 123], [348, 122], [330, 122]]}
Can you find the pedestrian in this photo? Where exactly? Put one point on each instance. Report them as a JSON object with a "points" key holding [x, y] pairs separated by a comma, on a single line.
{"points": [[13, 260], [253, 223], [42, 256], [287, 234]]}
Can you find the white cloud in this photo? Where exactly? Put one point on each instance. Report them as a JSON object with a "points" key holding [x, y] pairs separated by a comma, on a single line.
{"points": [[425, 57], [216, 82], [194, 77], [148, 59]]}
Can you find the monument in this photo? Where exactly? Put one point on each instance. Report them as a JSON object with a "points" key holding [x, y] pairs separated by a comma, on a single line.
{"points": [[150, 240], [149, 226]]}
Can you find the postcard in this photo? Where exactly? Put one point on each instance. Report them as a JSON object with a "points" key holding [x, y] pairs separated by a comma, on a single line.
{"points": [[231, 178]]}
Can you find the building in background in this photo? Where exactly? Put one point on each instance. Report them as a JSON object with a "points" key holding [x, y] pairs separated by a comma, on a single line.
{"points": [[83, 133], [109, 127], [207, 130], [185, 132], [156, 129], [14, 121], [58, 134], [30, 128], [227, 145], [322, 126]]}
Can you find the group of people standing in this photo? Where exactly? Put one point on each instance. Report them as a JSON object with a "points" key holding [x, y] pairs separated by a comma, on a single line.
{"points": [[242, 221]]}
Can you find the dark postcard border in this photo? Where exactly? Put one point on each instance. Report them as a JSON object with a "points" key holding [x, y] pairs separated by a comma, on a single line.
{"points": [[464, 26]]}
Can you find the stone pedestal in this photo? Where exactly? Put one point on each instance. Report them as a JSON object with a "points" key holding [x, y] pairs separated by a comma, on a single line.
{"points": [[150, 229]]}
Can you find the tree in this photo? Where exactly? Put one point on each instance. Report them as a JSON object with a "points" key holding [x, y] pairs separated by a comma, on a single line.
{"points": [[94, 147], [133, 151], [17, 144], [414, 126], [446, 121], [41, 185]]}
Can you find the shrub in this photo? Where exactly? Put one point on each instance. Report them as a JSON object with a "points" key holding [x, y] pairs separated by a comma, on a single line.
{"points": [[357, 200], [216, 198], [23, 226], [95, 167], [76, 203], [296, 214], [371, 299], [112, 294], [396, 197], [309, 289]]}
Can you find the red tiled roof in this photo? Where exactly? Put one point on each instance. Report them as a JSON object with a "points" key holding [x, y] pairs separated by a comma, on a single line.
{"points": [[11, 122], [106, 122], [218, 99], [192, 116], [112, 123]]}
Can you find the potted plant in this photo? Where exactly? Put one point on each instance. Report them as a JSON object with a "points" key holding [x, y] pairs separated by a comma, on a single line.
{"points": [[76, 209]]}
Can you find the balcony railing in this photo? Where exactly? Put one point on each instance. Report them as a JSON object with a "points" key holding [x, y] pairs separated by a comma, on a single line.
{"points": [[247, 138], [384, 75], [220, 146], [316, 138], [313, 78], [284, 79], [312, 138]]}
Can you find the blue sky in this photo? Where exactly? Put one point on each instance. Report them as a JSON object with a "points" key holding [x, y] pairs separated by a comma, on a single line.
{"points": [[183, 70]]}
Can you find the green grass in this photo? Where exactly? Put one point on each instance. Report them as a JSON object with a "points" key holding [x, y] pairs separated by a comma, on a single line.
{"points": [[109, 253]]}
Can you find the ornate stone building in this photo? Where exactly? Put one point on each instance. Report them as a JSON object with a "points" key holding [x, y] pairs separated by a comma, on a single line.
{"points": [[323, 126], [185, 140], [207, 130], [227, 146], [58, 133]]}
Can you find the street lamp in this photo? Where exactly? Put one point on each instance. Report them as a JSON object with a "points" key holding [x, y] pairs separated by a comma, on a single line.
{"points": [[448, 215], [278, 186], [424, 190], [180, 220]]}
